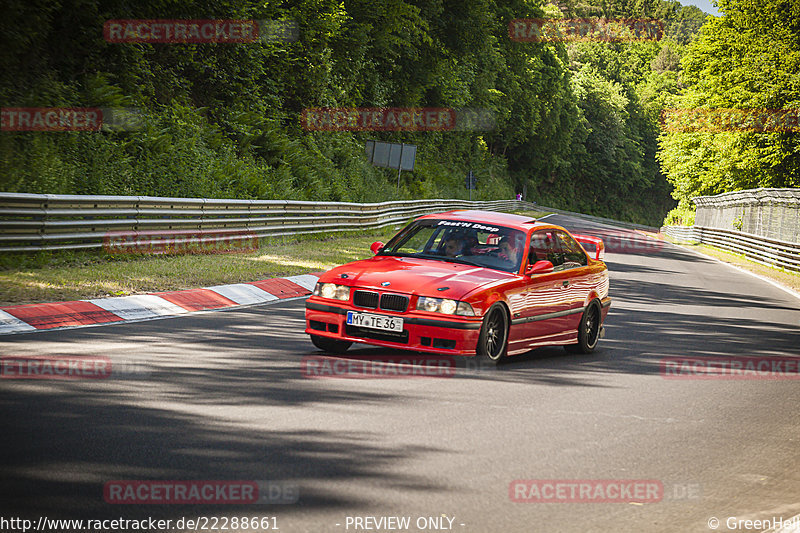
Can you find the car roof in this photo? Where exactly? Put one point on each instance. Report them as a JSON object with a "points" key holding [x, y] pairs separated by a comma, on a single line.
{"points": [[520, 222]]}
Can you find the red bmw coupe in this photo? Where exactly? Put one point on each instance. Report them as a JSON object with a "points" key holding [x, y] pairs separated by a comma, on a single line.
{"points": [[466, 283]]}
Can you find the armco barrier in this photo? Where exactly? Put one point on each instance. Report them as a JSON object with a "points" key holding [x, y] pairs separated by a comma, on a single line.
{"points": [[34, 222], [770, 252]]}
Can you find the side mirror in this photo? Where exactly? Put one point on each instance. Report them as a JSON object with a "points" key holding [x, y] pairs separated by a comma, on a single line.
{"points": [[539, 267], [376, 247]]}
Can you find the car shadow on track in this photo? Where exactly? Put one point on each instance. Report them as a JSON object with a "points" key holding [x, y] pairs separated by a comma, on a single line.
{"points": [[207, 403]]}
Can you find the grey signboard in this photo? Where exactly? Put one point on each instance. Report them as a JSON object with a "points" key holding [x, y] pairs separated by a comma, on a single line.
{"points": [[391, 155]]}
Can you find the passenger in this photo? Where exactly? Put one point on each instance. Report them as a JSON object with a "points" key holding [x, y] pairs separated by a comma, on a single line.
{"points": [[453, 246]]}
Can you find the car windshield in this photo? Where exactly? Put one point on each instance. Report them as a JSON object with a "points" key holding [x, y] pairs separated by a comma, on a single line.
{"points": [[472, 243]]}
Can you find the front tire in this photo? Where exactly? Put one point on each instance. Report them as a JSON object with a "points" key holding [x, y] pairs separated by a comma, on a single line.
{"points": [[588, 331], [330, 345], [493, 340]]}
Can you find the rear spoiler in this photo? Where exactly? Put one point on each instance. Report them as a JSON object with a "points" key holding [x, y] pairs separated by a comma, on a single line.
{"points": [[594, 243]]}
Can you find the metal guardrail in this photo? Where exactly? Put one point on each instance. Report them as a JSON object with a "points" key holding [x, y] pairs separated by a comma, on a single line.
{"points": [[35, 222], [770, 252]]}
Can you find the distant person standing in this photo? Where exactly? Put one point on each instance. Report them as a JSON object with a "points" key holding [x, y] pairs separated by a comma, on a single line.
{"points": [[519, 196]]}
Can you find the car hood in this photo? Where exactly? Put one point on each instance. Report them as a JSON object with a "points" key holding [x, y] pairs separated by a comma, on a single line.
{"points": [[411, 275]]}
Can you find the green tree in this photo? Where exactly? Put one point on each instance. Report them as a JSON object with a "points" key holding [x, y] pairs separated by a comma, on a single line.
{"points": [[746, 59]]}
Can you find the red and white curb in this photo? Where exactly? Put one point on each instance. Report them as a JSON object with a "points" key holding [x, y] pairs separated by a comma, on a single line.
{"points": [[32, 317]]}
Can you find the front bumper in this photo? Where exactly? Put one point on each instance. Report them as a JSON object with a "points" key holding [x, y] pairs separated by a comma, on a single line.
{"points": [[422, 332]]}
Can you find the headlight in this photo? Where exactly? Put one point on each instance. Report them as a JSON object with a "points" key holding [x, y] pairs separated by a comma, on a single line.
{"points": [[443, 305], [332, 291], [448, 307], [428, 304]]}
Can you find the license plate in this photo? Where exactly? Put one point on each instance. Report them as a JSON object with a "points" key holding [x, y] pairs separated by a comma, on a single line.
{"points": [[382, 322]]}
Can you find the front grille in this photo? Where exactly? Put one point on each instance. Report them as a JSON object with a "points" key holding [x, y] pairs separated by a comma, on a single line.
{"points": [[394, 302], [366, 299], [387, 302]]}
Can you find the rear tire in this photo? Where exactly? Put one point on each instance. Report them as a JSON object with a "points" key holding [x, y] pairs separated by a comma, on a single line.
{"points": [[493, 340], [330, 345], [588, 331]]}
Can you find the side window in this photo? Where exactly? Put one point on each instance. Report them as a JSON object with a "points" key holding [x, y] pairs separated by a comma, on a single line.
{"points": [[545, 247], [573, 254]]}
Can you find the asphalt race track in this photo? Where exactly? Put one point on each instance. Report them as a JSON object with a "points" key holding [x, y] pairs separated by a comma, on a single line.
{"points": [[222, 396]]}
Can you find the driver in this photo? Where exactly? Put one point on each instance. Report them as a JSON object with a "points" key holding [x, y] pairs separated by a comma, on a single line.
{"points": [[507, 251]]}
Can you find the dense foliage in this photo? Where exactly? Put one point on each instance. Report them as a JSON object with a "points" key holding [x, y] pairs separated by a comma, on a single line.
{"points": [[749, 60], [577, 123]]}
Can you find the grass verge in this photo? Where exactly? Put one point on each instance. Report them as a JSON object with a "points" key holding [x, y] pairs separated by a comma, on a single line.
{"points": [[75, 275], [62, 276]]}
